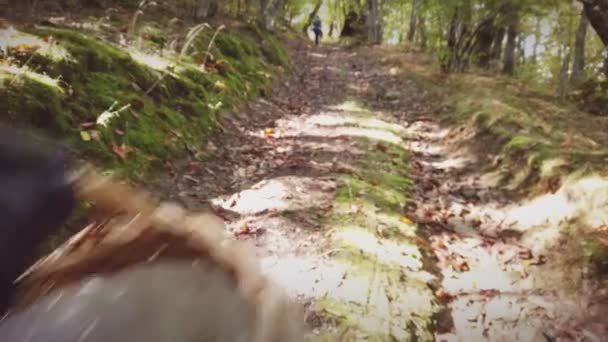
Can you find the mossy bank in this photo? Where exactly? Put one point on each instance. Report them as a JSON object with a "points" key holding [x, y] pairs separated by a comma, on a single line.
{"points": [[130, 107]]}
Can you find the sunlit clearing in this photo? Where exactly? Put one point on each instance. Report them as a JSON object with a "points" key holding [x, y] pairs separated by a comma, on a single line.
{"points": [[449, 163], [331, 119], [373, 134], [387, 251], [488, 276], [308, 276], [585, 198], [283, 193], [269, 196], [312, 127], [155, 62], [543, 217], [14, 39], [350, 106], [432, 134], [15, 73], [317, 55], [546, 209], [425, 148]]}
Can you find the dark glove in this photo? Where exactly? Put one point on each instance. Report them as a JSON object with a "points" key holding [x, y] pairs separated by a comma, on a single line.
{"points": [[35, 200]]}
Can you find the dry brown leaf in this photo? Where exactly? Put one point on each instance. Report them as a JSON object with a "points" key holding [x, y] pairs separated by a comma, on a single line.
{"points": [[443, 296], [89, 124], [121, 151]]}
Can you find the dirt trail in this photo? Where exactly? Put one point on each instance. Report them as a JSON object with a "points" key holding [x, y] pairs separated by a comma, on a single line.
{"points": [[327, 177]]}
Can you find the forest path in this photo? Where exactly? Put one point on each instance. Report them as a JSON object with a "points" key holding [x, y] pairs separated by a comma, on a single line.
{"points": [[347, 185]]}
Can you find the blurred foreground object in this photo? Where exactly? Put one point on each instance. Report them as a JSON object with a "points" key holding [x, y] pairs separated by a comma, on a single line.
{"points": [[149, 272], [35, 200]]}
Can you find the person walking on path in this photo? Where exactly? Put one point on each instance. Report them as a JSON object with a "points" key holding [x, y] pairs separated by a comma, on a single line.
{"points": [[316, 28]]}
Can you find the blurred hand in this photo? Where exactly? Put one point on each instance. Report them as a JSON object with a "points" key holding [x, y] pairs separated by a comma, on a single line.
{"points": [[35, 200]]}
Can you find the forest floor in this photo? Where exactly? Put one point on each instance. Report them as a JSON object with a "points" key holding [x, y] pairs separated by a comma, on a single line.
{"points": [[351, 187]]}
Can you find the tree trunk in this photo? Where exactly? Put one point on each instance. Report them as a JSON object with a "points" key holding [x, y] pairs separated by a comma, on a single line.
{"points": [[605, 67], [354, 24], [521, 52], [374, 22], [422, 30], [485, 37], [597, 14], [512, 32], [537, 37], [563, 85], [205, 9], [411, 33], [270, 12], [452, 40], [499, 38], [578, 64]]}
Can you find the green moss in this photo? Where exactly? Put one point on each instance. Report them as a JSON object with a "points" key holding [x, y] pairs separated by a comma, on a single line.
{"points": [[520, 142], [27, 100], [230, 46]]}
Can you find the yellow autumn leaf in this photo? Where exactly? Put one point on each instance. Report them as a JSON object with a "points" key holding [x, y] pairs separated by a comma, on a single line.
{"points": [[406, 220], [268, 132], [85, 136]]}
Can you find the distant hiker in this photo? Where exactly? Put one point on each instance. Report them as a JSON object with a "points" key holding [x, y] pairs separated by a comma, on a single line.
{"points": [[316, 28]]}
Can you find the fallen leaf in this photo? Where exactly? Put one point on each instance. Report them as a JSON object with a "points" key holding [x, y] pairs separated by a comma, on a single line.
{"points": [[26, 48], [122, 151], [525, 254], [191, 179], [381, 147], [444, 296], [269, 132], [89, 124], [85, 136], [459, 264], [489, 293], [194, 168], [406, 220]]}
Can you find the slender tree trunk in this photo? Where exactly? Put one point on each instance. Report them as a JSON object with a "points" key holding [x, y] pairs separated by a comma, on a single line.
{"points": [[270, 12], [205, 9], [411, 33], [521, 52], [605, 67], [578, 64], [537, 37], [512, 32], [422, 30], [499, 38], [452, 40], [563, 85], [374, 22], [485, 37]]}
